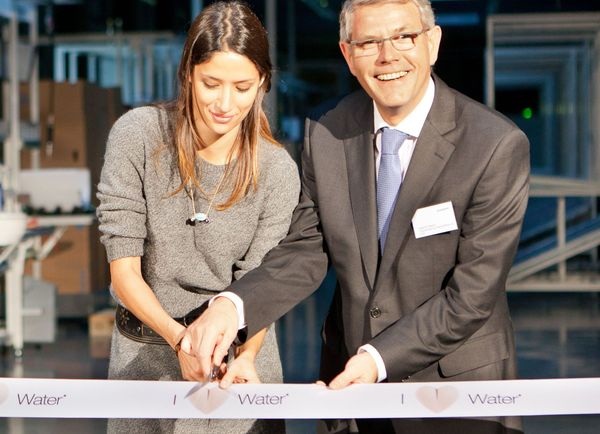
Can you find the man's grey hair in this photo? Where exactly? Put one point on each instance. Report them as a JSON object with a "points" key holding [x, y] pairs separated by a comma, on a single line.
{"points": [[350, 6]]}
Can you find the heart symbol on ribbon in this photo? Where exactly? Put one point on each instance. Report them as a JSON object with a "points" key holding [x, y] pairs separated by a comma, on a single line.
{"points": [[437, 399], [207, 398], [3, 393]]}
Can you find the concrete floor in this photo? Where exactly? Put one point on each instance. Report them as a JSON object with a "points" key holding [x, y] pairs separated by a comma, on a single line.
{"points": [[558, 336]]}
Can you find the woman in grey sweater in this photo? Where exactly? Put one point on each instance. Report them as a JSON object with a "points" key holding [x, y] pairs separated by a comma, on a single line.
{"points": [[193, 194]]}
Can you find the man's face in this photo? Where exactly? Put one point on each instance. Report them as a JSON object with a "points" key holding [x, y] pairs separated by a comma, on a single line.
{"points": [[395, 79]]}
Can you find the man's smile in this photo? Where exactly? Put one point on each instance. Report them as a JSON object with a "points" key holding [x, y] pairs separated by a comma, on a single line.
{"points": [[391, 76]]}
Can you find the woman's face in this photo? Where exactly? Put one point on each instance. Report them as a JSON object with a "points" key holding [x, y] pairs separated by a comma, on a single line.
{"points": [[225, 87]]}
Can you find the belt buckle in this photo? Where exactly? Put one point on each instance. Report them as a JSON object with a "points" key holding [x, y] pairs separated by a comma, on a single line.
{"points": [[147, 331]]}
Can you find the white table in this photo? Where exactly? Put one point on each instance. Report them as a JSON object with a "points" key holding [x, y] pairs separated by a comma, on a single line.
{"points": [[15, 256]]}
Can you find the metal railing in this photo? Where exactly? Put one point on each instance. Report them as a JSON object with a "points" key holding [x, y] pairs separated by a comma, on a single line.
{"points": [[568, 241]]}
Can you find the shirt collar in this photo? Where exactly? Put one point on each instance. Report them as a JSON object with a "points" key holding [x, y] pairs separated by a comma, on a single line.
{"points": [[413, 123]]}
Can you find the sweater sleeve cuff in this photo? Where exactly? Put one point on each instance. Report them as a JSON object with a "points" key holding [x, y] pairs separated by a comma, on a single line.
{"points": [[121, 249], [381, 372], [239, 306]]}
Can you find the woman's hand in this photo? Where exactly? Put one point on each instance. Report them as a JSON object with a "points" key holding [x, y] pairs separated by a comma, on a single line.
{"points": [[241, 370], [190, 367]]}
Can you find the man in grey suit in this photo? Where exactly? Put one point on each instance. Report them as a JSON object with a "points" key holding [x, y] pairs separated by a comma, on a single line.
{"points": [[421, 284]]}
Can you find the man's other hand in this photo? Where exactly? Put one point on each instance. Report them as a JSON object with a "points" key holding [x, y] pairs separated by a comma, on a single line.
{"points": [[360, 369]]}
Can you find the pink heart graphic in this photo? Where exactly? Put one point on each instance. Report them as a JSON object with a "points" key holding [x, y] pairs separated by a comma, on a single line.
{"points": [[3, 393], [437, 399], [208, 398]]}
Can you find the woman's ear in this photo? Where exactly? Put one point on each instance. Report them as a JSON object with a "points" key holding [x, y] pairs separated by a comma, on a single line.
{"points": [[190, 74]]}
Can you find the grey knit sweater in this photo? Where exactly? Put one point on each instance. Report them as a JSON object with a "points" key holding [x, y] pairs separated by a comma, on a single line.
{"points": [[139, 216], [183, 264]]}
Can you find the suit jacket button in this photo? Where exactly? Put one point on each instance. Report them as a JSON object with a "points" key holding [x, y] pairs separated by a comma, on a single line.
{"points": [[375, 312]]}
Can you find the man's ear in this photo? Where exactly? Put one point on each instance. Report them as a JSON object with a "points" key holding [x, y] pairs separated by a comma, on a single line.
{"points": [[347, 53], [434, 37]]}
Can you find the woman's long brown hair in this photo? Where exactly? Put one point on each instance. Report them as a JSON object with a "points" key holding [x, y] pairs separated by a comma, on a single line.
{"points": [[223, 26]]}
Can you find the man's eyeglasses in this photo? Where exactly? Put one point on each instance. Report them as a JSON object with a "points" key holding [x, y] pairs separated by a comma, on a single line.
{"points": [[401, 42]]}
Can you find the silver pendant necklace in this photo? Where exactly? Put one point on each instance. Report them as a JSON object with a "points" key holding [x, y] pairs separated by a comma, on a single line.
{"points": [[200, 216]]}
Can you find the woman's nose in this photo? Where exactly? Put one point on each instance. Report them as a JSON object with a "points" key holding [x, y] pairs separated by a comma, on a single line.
{"points": [[224, 101]]}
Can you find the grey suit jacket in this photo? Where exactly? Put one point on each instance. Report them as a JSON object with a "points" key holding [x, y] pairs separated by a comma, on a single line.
{"points": [[433, 307]]}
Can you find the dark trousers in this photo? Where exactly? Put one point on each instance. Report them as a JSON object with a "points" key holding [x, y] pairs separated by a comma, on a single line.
{"points": [[432, 426], [414, 426]]}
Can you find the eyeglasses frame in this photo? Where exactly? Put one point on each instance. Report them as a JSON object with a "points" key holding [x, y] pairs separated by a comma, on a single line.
{"points": [[412, 35]]}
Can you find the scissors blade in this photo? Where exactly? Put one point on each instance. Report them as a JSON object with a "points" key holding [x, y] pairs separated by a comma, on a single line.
{"points": [[214, 372]]}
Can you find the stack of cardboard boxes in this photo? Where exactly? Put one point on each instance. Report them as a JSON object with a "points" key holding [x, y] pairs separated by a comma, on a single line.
{"points": [[83, 115]]}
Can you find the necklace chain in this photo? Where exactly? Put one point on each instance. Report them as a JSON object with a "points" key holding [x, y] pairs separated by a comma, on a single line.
{"points": [[200, 216]]}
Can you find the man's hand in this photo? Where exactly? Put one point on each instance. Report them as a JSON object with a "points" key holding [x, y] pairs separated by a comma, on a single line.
{"points": [[209, 337], [361, 368]]}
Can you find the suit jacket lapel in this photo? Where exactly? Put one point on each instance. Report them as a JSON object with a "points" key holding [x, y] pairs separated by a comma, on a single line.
{"points": [[432, 151], [360, 161]]}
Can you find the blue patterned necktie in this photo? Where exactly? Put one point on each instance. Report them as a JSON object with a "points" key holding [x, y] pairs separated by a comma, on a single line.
{"points": [[388, 179]]}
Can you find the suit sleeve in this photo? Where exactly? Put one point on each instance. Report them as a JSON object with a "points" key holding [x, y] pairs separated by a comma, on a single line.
{"points": [[283, 189], [292, 270], [489, 237]]}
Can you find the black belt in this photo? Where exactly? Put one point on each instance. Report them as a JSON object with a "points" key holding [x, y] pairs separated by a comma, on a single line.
{"points": [[131, 327]]}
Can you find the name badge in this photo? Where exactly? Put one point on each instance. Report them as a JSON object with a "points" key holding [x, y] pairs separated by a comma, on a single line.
{"points": [[434, 219]]}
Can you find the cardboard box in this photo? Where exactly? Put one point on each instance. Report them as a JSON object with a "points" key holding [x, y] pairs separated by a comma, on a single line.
{"points": [[77, 264], [99, 347], [83, 116], [100, 326]]}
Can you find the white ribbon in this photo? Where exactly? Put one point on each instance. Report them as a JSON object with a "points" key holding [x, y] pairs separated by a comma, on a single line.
{"points": [[55, 398]]}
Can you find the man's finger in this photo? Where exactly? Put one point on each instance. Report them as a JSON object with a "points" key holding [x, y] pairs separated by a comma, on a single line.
{"points": [[204, 353], [342, 380], [221, 349]]}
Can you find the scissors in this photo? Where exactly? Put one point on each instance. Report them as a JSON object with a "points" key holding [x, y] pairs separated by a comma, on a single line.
{"points": [[214, 375]]}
